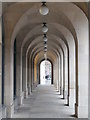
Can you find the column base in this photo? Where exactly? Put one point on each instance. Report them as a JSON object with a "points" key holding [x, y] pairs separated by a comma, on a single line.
{"points": [[2, 112], [33, 86], [76, 110], [22, 95], [10, 111], [63, 94], [29, 90], [60, 91], [26, 94], [67, 100], [18, 101], [81, 111]]}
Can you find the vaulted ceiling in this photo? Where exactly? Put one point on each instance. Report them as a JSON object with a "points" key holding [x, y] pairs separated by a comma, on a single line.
{"points": [[24, 22]]}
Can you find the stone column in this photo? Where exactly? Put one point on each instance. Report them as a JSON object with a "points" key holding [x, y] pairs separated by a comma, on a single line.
{"points": [[68, 71], [32, 72], [57, 76], [19, 77], [0, 68], [0, 65], [24, 74], [57, 72], [66, 77], [63, 76], [8, 80], [89, 66], [29, 77], [60, 75], [0, 80]]}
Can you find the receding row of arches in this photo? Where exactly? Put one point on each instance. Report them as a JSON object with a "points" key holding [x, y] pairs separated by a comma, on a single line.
{"points": [[22, 52]]}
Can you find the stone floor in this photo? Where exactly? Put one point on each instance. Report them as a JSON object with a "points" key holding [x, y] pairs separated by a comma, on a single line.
{"points": [[44, 102]]}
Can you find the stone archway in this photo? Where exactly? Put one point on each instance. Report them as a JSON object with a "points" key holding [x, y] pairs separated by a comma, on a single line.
{"points": [[67, 20]]}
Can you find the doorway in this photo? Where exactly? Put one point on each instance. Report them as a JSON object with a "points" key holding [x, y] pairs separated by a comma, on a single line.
{"points": [[45, 73]]}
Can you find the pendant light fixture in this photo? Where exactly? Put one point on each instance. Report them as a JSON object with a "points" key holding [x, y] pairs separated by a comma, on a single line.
{"points": [[45, 49], [45, 45], [44, 9], [45, 38], [44, 28]]}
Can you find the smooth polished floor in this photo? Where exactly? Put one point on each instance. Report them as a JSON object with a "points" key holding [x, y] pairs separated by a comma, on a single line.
{"points": [[44, 102]]}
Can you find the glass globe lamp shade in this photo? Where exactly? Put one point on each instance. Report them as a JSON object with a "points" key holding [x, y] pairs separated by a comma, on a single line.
{"points": [[44, 29], [45, 49], [45, 45], [45, 39], [44, 9]]}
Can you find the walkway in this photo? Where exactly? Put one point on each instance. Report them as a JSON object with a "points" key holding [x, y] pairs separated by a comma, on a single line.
{"points": [[44, 102]]}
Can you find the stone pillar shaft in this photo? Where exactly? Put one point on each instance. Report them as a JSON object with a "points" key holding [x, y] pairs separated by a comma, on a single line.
{"points": [[24, 74], [19, 77]]}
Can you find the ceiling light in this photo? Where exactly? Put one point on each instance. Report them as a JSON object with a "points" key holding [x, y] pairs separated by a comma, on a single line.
{"points": [[45, 45], [45, 49], [44, 9], [44, 28], [45, 38]]}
